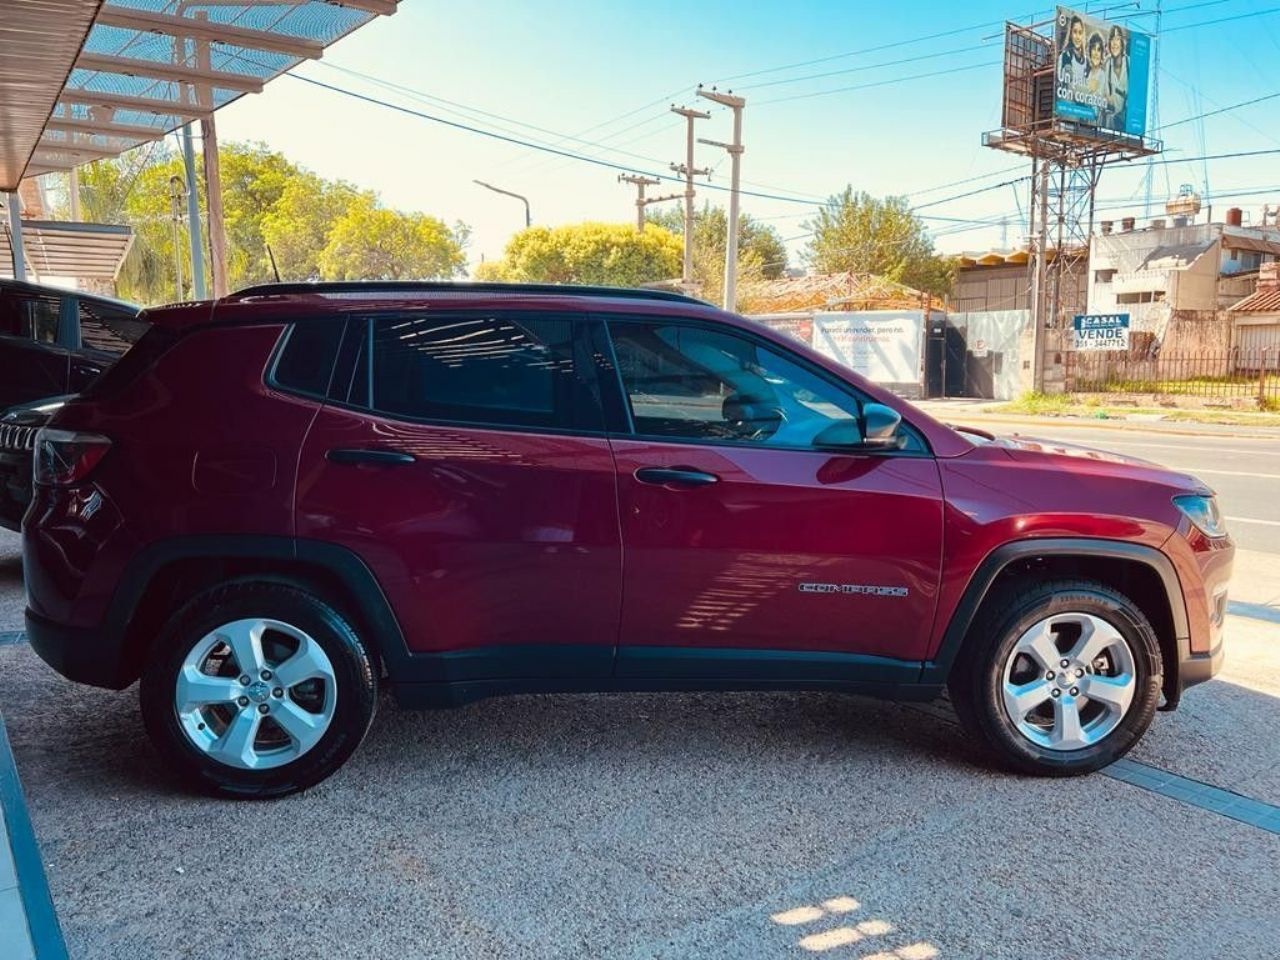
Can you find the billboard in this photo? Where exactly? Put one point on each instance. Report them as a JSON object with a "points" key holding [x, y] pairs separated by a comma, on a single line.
{"points": [[883, 346], [1102, 73]]}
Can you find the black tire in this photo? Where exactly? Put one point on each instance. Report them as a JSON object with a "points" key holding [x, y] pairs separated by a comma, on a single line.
{"points": [[977, 679], [353, 668]]}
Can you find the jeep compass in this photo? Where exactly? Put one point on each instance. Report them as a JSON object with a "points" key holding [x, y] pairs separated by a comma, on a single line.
{"points": [[283, 501]]}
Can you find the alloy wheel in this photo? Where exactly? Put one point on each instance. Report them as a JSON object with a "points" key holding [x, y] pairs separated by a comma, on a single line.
{"points": [[1069, 681], [255, 693]]}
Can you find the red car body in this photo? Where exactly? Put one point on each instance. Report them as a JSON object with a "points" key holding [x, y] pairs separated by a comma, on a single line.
{"points": [[524, 559]]}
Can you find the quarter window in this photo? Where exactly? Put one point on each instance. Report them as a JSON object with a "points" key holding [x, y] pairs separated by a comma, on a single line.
{"points": [[486, 370], [306, 362], [694, 383]]}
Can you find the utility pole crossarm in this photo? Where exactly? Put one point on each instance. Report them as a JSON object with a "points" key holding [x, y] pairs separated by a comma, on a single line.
{"points": [[640, 183]]}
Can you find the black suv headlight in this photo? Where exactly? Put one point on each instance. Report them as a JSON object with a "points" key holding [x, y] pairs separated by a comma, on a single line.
{"points": [[1203, 512]]}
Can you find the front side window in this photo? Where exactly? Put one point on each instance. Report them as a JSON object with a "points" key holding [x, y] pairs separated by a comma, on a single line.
{"points": [[487, 370], [694, 383]]}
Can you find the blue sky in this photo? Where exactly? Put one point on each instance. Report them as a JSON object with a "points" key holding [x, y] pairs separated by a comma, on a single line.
{"points": [[606, 72]]}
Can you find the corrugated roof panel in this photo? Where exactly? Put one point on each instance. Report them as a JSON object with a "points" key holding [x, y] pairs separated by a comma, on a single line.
{"points": [[39, 40]]}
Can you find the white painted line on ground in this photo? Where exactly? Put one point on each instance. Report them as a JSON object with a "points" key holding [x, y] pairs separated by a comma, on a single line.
{"points": [[1266, 523], [1224, 473], [1187, 448]]}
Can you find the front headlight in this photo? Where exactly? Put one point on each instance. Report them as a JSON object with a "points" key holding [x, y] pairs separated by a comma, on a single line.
{"points": [[1203, 512]]}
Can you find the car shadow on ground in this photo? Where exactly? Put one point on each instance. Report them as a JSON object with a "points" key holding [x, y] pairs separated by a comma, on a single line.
{"points": [[97, 736]]}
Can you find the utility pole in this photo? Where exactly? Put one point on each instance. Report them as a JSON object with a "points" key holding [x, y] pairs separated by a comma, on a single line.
{"points": [[689, 172], [212, 175], [734, 149], [640, 182]]}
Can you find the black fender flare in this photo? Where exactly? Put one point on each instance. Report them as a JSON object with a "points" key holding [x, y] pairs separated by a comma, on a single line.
{"points": [[937, 669], [338, 561]]}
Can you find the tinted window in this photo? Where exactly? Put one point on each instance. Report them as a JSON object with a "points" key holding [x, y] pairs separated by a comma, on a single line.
{"points": [[40, 320], [306, 361], [109, 329], [482, 369], [695, 383]]}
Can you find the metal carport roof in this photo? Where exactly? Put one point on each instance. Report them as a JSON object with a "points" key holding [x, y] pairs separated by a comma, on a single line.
{"points": [[85, 79], [57, 248]]}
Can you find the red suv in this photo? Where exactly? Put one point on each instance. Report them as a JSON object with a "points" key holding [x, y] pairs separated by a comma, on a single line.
{"points": [[279, 501]]}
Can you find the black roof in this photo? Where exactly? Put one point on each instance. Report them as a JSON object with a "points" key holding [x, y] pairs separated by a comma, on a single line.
{"points": [[44, 290], [374, 287]]}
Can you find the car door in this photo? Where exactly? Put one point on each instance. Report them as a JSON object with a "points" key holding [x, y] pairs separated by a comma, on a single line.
{"points": [[747, 549], [462, 457]]}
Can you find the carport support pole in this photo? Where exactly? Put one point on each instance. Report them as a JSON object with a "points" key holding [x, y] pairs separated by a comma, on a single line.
{"points": [[193, 214], [212, 177], [15, 237]]}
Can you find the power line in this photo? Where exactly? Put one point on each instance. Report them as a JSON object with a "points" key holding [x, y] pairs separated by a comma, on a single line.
{"points": [[881, 83], [529, 144]]}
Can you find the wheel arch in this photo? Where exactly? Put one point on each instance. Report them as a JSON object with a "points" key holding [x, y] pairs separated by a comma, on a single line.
{"points": [[166, 574], [1141, 572]]}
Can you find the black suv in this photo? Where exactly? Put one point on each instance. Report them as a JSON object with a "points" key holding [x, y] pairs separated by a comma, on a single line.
{"points": [[54, 342]]}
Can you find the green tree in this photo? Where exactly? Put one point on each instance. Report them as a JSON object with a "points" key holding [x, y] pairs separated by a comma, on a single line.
{"points": [[856, 232], [315, 227], [761, 253], [370, 242], [610, 254], [297, 226]]}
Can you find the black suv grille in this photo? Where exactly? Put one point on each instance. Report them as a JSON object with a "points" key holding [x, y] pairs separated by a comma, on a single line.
{"points": [[13, 437]]}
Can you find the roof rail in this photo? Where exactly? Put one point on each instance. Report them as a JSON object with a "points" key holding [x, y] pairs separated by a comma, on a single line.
{"points": [[374, 287]]}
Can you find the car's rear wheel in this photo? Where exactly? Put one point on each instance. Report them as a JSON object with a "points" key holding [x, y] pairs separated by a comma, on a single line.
{"points": [[258, 690], [1059, 678]]}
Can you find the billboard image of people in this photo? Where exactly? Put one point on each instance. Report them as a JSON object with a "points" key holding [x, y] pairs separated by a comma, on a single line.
{"points": [[1102, 73]]}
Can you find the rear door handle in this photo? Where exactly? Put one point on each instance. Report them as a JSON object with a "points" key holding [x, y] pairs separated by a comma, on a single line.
{"points": [[676, 476], [389, 458]]}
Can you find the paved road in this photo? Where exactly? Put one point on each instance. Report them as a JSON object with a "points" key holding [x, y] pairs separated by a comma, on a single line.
{"points": [[1244, 471]]}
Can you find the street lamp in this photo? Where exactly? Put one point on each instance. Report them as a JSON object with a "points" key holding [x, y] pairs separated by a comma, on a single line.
{"points": [[528, 217]]}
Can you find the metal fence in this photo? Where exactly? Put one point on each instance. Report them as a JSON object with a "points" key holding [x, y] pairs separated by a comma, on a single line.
{"points": [[1240, 374]]}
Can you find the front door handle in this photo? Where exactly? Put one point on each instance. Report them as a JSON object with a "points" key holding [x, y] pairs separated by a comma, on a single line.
{"points": [[676, 476], [389, 458]]}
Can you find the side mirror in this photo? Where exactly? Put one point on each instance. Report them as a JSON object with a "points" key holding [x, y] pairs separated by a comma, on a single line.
{"points": [[877, 430], [880, 427]]}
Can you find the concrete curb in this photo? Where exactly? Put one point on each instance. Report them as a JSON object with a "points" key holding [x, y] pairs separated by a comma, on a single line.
{"points": [[33, 887], [977, 419]]}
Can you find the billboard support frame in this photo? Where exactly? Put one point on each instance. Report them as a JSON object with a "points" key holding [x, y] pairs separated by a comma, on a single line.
{"points": [[1067, 159]]}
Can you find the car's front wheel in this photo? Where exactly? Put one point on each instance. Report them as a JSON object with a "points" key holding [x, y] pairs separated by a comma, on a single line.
{"points": [[257, 690], [1060, 678]]}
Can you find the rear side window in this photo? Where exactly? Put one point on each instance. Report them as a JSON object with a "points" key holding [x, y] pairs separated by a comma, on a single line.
{"points": [[306, 360], [488, 370], [109, 329]]}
